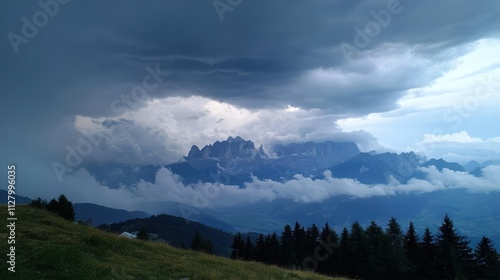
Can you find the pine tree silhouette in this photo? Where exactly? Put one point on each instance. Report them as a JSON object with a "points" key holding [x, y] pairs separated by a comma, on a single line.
{"points": [[487, 260], [142, 235], [454, 254], [65, 208]]}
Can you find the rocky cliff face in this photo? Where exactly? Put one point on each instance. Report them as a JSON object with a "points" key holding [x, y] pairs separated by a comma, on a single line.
{"points": [[232, 148]]}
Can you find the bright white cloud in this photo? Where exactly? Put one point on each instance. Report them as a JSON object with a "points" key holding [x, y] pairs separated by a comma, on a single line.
{"points": [[460, 137], [164, 130]]}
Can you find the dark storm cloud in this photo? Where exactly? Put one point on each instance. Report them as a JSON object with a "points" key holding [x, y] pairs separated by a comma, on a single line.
{"points": [[86, 55], [92, 51]]}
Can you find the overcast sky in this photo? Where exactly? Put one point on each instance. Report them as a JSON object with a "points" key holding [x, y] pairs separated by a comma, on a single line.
{"points": [[148, 79]]}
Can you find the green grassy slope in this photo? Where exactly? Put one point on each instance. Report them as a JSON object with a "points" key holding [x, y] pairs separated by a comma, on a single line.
{"points": [[48, 247], [177, 231]]}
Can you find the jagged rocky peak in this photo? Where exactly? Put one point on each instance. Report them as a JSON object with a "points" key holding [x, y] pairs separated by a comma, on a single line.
{"points": [[237, 147], [194, 152], [230, 139], [231, 148]]}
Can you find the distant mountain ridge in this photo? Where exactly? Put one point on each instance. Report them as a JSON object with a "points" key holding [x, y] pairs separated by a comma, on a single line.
{"points": [[239, 160], [104, 215], [476, 169], [19, 199], [371, 168]]}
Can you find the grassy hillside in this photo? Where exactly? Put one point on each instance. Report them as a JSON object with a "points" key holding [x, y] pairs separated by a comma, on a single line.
{"points": [[177, 232], [48, 247]]}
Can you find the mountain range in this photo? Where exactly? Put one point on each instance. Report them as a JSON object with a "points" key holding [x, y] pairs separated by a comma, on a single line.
{"points": [[240, 160]]}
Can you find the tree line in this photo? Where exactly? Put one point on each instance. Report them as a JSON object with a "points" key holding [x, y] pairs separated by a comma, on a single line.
{"points": [[374, 252], [202, 244], [61, 207]]}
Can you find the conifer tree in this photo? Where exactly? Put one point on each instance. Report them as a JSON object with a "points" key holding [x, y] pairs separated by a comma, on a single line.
{"points": [[142, 235], [346, 255], [360, 250], [427, 264], [260, 249], [454, 254], [238, 247], [397, 264], [62, 207], [287, 246], [267, 246], [487, 260], [53, 206], [208, 246], [378, 250], [196, 244], [65, 208], [394, 233], [39, 203], [412, 249], [274, 249], [312, 235], [329, 235], [410, 243], [299, 240], [201, 244], [248, 251], [330, 243]]}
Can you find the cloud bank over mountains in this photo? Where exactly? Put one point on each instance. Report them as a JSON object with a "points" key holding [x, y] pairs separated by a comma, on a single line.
{"points": [[168, 187]]}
